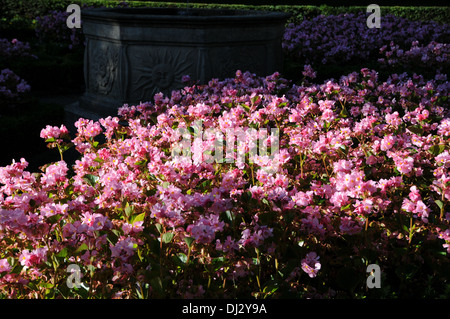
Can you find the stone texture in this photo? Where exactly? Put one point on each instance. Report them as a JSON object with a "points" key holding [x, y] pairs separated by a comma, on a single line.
{"points": [[133, 53]]}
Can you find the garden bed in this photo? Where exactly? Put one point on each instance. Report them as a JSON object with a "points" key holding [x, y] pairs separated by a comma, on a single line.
{"points": [[355, 175]]}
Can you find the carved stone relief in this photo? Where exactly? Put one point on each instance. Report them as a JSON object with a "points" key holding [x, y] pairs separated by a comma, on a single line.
{"points": [[158, 70], [104, 65]]}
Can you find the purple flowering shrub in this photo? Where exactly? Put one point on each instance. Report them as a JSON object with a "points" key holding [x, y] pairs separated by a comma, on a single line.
{"points": [[362, 178], [53, 28], [14, 48], [423, 59], [346, 38], [12, 88]]}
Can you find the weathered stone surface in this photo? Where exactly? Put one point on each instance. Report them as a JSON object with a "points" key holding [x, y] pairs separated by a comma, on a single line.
{"points": [[133, 53]]}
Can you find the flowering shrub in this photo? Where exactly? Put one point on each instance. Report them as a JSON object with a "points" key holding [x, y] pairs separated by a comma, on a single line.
{"points": [[53, 27], [346, 37], [12, 88], [430, 58], [15, 48], [363, 179]]}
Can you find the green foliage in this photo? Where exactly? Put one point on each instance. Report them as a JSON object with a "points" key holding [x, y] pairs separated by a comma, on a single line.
{"points": [[29, 9]]}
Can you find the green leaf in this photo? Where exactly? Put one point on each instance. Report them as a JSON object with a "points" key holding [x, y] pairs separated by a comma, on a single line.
{"points": [[167, 237], [416, 129], [182, 257], [11, 261], [189, 241], [246, 107], [83, 247], [53, 219], [206, 183], [45, 284], [137, 218], [113, 237], [128, 210], [230, 215], [83, 291], [91, 179], [17, 269], [91, 268], [436, 149], [165, 185], [158, 227], [98, 160], [439, 203], [63, 253], [65, 147]]}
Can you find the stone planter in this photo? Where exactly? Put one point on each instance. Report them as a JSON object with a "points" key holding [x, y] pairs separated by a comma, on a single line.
{"points": [[133, 53]]}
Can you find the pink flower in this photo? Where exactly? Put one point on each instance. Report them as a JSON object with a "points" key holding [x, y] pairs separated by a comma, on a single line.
{"points": [[124, 248], [444, 127], [311, 265], [393, 119], [54, 132], [343, 166], [228, 246], [405, 166], [364, 207], [443, 159], [34, 257], [4, 265], [387, 142], [303, 198], [414, 194], [55, 173], [349, 226], [88, 128], [205, 228], [339, 199], [54, 209], [422, 211], [136, 227]]}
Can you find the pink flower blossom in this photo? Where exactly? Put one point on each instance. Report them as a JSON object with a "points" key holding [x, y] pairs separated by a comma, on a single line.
{"points": [[5, 266], [311, 265]]}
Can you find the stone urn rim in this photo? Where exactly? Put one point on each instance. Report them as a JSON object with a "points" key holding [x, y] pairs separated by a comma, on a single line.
{"points": [[183, 15]]}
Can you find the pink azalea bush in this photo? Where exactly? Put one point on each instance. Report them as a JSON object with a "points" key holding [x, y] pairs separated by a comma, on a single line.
{"points": [[363, 178]]}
